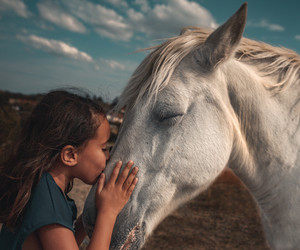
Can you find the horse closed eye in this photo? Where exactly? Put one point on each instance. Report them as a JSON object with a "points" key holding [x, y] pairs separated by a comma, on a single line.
{"points": [[170, 119]]}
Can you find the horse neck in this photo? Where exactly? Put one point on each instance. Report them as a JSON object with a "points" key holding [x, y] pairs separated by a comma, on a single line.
{"points": [[265, 153]]}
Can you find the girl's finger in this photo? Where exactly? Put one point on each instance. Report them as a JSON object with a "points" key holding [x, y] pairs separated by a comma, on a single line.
{"points": [[115, 173], [130, 178], [132, 186], [101, 183], [123, 176]]}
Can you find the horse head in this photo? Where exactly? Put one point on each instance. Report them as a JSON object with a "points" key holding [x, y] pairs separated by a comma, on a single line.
{"points": [[177, 128]]}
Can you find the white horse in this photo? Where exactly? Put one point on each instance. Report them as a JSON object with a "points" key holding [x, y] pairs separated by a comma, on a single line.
{"points": [[200, 102]]}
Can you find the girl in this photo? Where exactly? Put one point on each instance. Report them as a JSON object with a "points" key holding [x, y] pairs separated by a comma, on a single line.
{"points": [[64, 138]]}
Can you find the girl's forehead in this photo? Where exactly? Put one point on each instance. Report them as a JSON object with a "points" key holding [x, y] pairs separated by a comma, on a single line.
{"points": [[103, 131]]}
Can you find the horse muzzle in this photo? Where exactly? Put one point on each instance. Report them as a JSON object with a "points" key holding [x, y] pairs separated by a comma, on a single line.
{"points": [[131, 241]]}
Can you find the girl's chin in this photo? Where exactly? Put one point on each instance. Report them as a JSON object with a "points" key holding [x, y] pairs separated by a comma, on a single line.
{"points": [[92, 182]]}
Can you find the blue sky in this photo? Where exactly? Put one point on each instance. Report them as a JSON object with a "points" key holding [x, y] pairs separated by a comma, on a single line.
{"points": [[46, 44]]}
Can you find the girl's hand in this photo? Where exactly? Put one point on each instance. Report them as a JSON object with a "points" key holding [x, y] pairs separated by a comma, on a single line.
{"points": [[112, 197]]}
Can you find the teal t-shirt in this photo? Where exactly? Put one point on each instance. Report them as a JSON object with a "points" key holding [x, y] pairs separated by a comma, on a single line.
{"points": [[47, 205]]}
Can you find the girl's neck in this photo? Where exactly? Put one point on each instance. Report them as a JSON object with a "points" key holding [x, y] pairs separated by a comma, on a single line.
{"points": [[60, 176]]}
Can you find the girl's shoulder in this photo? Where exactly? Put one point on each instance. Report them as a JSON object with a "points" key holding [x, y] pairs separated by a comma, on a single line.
{"points": [[48, 200], [45, 187], [47, 205]]}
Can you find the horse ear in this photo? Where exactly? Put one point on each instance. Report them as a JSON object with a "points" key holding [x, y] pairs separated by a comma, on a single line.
{"points": [[221, 44]]}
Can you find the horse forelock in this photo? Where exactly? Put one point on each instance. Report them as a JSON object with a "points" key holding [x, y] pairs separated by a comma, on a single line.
{"points": [[154, 73]]}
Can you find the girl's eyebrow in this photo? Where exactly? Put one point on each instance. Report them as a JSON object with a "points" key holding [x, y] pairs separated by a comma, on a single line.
{"points": [[104, 143]]}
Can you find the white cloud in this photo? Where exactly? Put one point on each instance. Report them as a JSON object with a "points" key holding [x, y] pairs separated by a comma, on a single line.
{"points": [[168, 19], [266, 24], [16, 5], [135, 16], [297, 37], [143, 4], [158, 21], [113, 64], [55, 47], [55, 14], [97, 67], [105, 21]]}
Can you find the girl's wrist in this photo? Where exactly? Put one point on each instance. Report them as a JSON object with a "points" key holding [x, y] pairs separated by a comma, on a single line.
{"points": [[104, 225], [107, 213]]}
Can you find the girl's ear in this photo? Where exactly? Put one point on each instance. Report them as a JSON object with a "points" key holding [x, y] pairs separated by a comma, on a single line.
{"points": [[68, 155]]}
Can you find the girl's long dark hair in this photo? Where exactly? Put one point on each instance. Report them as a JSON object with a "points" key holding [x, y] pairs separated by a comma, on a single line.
{"points": [[61, 118]]}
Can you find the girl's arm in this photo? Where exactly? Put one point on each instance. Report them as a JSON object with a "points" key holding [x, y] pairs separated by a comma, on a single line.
{"points": [[56, 237], [80, 233], [110, 199]]}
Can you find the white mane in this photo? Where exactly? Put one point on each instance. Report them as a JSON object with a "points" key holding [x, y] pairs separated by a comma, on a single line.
{"points": [[154, 73]]}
